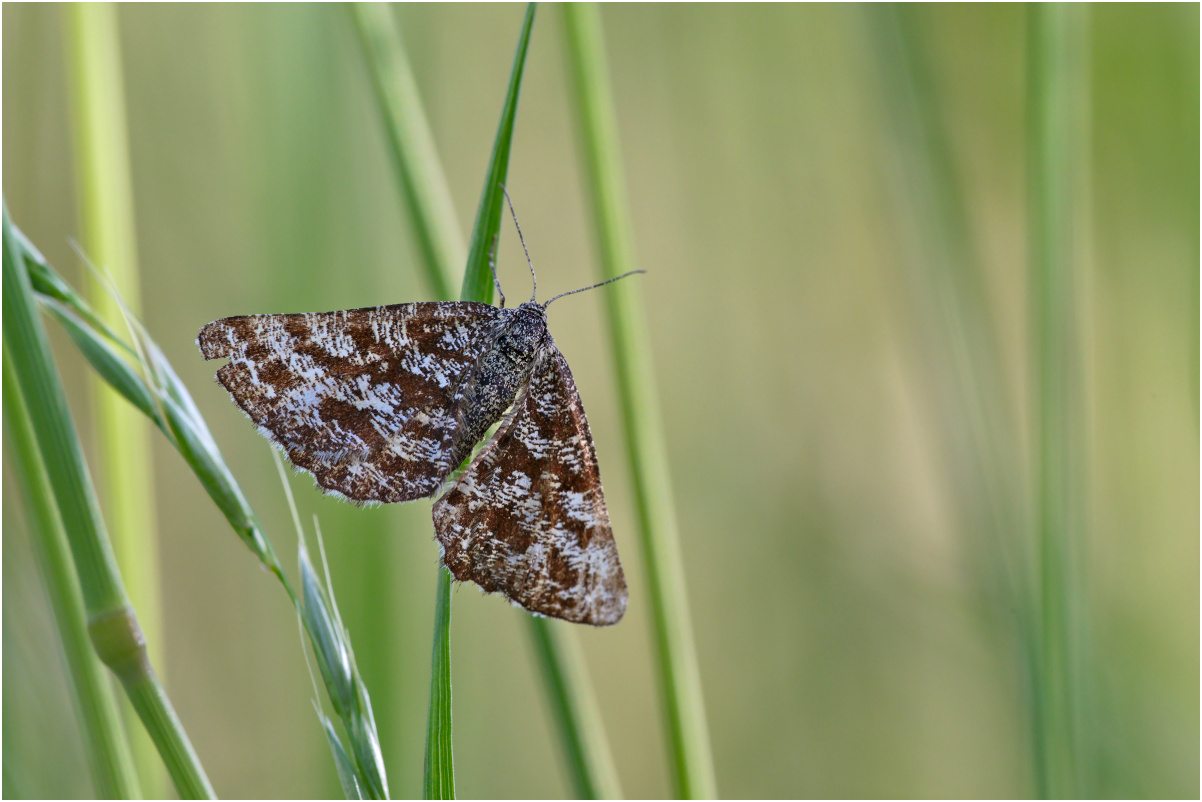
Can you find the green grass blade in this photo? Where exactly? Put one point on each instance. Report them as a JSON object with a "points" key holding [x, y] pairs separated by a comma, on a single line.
{"points": [[1056, 141], [158, 393], [590, 762], [692, 766], [477, 286], [109, 760], [439, 778], [110, 364], [415, 159], [477, 277], [107, 219], [584, 743], [112, 624], [986, 467], [168, 404]]}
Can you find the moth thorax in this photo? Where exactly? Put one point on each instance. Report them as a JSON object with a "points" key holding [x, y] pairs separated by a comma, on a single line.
{"points": [[526, 333]]}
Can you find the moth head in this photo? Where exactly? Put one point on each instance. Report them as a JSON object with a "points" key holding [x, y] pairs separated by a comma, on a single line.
{"points": [[534, 312]]}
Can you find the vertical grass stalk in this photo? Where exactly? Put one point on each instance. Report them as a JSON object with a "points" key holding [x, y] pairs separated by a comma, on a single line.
{"points": [[112, 625], [109, 760], [1055, 146], [439, 777], [411, 145], [477, 286], [679, 677], [590, 762], [956, 338], [106, 210], [424, 186], [951, 314]]}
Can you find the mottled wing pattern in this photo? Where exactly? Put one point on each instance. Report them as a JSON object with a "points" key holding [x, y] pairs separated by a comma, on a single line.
{"points": [[361, 398], [527, 518]]}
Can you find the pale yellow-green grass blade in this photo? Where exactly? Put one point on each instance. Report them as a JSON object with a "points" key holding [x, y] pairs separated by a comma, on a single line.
{"points": [[105, 202]]}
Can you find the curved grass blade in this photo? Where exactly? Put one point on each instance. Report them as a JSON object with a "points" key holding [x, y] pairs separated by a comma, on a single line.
{"points": [[342, 763], [679, 679], [158, 392], [112, 625], [336, 660]]}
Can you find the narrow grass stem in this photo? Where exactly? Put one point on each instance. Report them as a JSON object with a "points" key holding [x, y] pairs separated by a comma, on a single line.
{"points": [[439, 782], [477, 276], [107, 219], [1054, 140], [477, 286], [149, 700], [109, 760], [590, 762], [679, 677], [424, 185]]}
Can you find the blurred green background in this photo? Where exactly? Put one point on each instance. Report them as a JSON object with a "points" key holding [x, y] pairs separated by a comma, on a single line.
{"points": [[855, 632]]}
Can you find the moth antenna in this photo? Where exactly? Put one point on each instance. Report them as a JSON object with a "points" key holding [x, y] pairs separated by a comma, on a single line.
{"points": [[595, 286], [514, 214], [492, 265]]}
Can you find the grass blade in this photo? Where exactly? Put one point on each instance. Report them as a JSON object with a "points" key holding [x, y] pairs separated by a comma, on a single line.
{"points": [[477, 286], [157, 392], [109, 760], [1055, 139], [346, 770], [477, 277], [679, 678], [955, 321], [112, 625], [439, 776], [414, 156], [585, 748], [590, 762], [339, 672]]}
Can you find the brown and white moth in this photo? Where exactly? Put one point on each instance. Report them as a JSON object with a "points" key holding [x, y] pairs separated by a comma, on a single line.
{"points": [[382, 404]]}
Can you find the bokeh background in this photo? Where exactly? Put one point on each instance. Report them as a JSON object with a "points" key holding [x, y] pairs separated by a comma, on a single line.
{"points": [[855, 632]]}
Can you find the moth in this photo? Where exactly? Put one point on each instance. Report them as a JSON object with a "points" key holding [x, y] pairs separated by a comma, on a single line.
{"points": [[383, 404]]}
